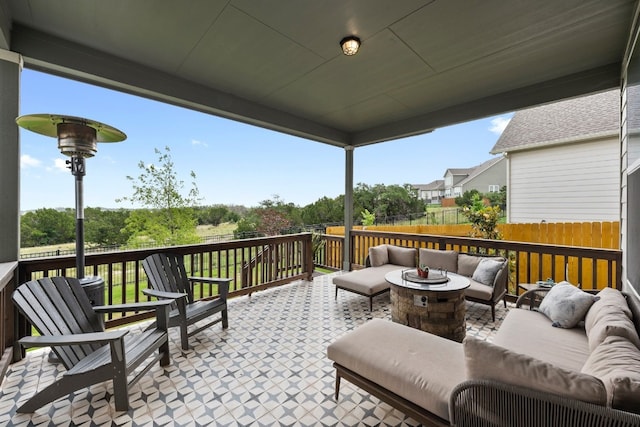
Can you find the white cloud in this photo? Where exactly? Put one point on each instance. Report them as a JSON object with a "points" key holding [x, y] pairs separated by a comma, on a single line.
{"points": [[26, 161], [499, 124], [60, 164], [196, 142]]}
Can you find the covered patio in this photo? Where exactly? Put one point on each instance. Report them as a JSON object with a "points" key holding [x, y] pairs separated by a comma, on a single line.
{"points": [[269, 368], [423, 64]]}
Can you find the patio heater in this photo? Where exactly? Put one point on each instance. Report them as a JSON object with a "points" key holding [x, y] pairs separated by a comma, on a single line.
{"points": [[77, 138]]}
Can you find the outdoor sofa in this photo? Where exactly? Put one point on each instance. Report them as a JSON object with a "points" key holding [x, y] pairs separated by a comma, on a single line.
{"points": [[583, 371], [370, 282]]}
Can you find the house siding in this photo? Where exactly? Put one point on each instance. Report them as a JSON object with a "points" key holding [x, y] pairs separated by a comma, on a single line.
{"points": [[629, 162], [495, 175], [566, 183]]}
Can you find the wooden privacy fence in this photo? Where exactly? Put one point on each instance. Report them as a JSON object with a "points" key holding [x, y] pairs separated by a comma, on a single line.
{"points": [[605, 235]]}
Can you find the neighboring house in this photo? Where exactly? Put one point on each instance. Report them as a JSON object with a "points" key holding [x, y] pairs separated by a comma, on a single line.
{"points": [[431, 193], [564, 161], [488, 177]]}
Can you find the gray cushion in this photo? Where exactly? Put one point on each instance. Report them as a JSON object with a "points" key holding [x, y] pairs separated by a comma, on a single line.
{"points": [[467, 264], [616, 361], [487, 270], [610, 299], [378, 255], [367, 281], [566, 305], [405, 257], [446, 260], [529, 332], [491, 362], [610, 320]]}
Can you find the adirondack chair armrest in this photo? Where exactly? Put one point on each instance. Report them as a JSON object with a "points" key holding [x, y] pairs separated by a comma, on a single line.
{"points": [[163, 295], [75, 339], [134, 306], [222, 282]]}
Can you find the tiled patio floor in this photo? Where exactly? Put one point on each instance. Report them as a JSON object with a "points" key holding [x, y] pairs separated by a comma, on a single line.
{"points": [[268, 368]]}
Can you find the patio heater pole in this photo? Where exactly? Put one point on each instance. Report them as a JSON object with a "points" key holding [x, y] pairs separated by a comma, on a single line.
{"points": [[77, 138], [78, 170]]}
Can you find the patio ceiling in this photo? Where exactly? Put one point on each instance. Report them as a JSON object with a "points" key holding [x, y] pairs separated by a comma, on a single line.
{"points": [[423, 64]]}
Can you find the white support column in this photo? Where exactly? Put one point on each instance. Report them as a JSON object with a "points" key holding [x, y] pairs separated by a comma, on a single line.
{"points": [[10, 69], [348, 207]]}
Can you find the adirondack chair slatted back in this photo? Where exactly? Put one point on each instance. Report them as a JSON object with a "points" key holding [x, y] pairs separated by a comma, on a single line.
{"points": [[59, 306], [167, 273]]}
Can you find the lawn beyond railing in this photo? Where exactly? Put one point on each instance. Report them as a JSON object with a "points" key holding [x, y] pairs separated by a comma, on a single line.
{"points": [[529, 262], [253, 264]]}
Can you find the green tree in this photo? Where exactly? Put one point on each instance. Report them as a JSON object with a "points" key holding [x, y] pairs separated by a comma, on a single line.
{"points": [[169, 218], [467, 198], [105, 226], [324, 210], [47, 227], [484, 219], [368, 218]]}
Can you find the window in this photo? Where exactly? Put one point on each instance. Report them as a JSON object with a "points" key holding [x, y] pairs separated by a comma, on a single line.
{"points": [[494, 189]]}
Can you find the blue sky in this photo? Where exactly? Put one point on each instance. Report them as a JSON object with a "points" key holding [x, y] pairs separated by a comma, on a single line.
{"points": [[234, 163]]}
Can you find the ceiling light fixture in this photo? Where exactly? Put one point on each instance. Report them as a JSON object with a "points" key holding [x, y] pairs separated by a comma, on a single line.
{"points": [[350, 45]]}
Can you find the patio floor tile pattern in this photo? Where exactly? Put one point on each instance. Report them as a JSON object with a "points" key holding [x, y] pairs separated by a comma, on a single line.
{"points": [[268, 368]]}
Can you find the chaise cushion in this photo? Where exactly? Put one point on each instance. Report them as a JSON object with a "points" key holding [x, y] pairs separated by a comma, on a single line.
{"points": [[616, 361], [566, 305], [367, 281], [405, 257], [420, 367], [487, 270], [491, 362], [446, 260], [378, 255]]}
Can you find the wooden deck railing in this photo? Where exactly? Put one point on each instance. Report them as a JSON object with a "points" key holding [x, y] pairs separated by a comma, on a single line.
{"points": [[253, 264], [530, 262]]}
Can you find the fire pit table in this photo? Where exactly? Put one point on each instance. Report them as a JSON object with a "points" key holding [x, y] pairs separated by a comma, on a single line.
{"points": [[435, 304]]}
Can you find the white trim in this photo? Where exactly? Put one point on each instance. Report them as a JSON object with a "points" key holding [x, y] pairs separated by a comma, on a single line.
{"points": [[16, 58]]}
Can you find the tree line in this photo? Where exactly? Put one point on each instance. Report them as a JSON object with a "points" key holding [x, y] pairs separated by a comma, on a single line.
{"points": [[171, 214]]}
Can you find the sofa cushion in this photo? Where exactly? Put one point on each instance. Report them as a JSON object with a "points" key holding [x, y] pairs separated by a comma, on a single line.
{"points": [[378, 255], [610, 320], [420, 367], [479, 291], [616, 361], [487, 270], [566, 305], [467, 264], [608, 297], [492, 362], [446, 260], [405, 257], [530, 332]]}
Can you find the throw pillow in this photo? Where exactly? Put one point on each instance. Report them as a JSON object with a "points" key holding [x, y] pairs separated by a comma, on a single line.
{"points": [[402, 256], [566, 305], [616, 361], [378, 255], [487, 361], [433, 258], [487, 270]]}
